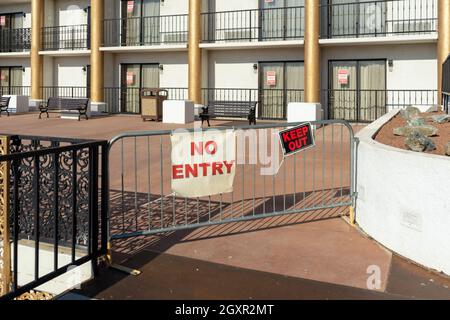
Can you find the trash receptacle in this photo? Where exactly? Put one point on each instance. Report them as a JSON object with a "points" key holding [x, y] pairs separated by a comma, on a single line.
{"points": [[152, 103]]}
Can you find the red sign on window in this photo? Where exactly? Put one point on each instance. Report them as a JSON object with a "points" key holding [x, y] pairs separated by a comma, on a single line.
{"points": [[130, 6], [343, 76], [2, 21], [271, 78], [130, 78]]}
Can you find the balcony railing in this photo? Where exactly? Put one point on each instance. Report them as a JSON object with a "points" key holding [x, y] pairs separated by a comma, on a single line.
{"points": [[146, 31], [15, 90], [66, 38], [273, 24], [15, 40], [369, 105], [378, 18]]}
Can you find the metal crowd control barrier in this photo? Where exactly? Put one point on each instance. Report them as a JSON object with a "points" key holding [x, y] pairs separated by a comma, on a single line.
{"points": [[141, 201]]}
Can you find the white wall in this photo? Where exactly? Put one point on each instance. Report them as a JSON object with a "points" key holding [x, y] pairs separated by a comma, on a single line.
{"points": [[69, 71], [71, 12], [234, 68], [403, 200], [231, 5], [415, 65], [175, 73]]}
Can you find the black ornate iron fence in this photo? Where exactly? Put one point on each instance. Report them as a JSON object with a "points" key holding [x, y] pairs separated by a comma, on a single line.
{"points": [[286, 23], [55, 194], [76, 37], [15, 40], [146, 31], [378, 18]]}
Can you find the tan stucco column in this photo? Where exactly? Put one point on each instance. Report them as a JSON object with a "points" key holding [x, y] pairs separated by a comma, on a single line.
{"points": [[195, 53], [312, 51], [443, 49], [37, 62], [97, 56]]}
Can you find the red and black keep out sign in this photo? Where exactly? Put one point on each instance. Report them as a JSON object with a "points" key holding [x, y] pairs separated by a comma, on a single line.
{"points": [[296, 139]]}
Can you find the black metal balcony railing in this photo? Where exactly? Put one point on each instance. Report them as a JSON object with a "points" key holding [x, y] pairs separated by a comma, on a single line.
{"points": [[285, 23], [75, 37], [15, 40], [15, 90], [146, 31], [64, 92], [378, 18], [369, 105]]}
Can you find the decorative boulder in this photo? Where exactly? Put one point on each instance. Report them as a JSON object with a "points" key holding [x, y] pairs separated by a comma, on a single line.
{"points": [[426, 130], [440, 118], [416, 122], [410, 113], [419, 143], [434, 108], [447, 149]]}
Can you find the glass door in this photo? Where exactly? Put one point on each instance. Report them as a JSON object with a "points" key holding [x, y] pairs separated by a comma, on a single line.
{"points": [[11, 80], [280, 20], [10, 31], [140, 22], [151, 22], [280, 83], [343, 95], [358, 90], [134, 78]]}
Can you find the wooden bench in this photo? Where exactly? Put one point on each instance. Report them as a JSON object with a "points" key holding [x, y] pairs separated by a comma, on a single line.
{"points": [[229, 109], [4, 105], [65, 105]]}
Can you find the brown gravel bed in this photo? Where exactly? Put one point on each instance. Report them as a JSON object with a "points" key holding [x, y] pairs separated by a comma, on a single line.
{"points": [[386, 135]]}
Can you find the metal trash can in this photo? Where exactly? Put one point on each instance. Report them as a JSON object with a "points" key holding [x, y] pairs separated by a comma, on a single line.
{"points": [[152, 103]]}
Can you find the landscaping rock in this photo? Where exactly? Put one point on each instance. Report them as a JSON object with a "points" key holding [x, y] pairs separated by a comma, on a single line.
{"points": [[416, 122], [410, 113], [426, 130], [434, 108], [447, 149], [440, 118], [419, 143]]}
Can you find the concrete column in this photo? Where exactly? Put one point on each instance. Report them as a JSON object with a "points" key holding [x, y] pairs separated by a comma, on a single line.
{"points": [[97, 56], [195, 53], [312, 51], [37, 70], [443, 49]]}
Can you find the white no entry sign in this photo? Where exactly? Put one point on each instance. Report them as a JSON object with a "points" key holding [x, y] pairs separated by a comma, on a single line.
{"points": [[203, 164]]}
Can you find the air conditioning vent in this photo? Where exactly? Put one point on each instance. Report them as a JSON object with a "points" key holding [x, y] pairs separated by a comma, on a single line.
{"points": [[175, 37], [413, 26]]}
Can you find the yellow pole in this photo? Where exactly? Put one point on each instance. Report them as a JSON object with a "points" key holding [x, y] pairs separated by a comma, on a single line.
{"points": [[37, 70], [312, 51], [195, 53], [5, 249], [97, 58], [443, 49]]}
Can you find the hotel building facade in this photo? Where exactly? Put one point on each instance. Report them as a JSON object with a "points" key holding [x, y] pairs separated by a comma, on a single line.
{"points": [[358, 59]]}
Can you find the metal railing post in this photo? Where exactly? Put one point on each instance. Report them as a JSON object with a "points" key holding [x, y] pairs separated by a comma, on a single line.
{"points": [[5, 248]]}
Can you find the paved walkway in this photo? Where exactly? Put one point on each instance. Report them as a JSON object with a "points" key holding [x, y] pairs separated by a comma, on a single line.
{"points": [[311, 255]]}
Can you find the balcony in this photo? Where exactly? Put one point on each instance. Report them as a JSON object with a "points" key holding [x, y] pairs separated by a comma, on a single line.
{"points": [[15, 40], [66, 38], [146, 31], [378, 19], [275, 24]]}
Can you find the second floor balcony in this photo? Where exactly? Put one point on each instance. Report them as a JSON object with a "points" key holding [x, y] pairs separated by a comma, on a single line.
{"points": [[15, 40], [76, 37], [368, 18], [267, 24], [146, 31]]}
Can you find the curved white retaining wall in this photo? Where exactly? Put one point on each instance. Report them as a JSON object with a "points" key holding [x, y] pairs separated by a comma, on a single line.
{"points": [[404, 199]]}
